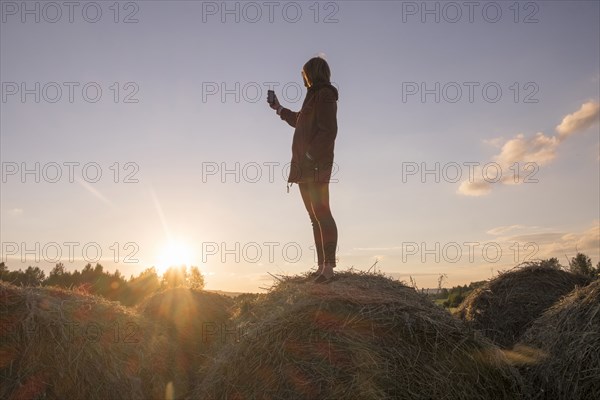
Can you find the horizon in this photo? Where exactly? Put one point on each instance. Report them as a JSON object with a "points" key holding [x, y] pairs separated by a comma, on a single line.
{"points": [[137, 134]]}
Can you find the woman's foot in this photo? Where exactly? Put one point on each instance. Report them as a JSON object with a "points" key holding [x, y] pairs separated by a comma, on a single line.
{"points": [[317, 273], [326, 274]]}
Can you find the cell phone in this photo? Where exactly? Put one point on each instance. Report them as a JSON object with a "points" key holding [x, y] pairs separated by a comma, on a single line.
{"points": [[271, 96]]}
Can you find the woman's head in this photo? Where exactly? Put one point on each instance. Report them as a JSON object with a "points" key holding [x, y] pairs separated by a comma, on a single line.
{"points": [[316, 70]]}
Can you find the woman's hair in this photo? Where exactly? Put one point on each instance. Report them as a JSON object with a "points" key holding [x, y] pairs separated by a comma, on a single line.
{"points": [[317, 70]]}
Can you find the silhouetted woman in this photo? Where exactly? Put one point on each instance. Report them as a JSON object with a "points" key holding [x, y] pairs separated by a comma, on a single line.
{"points": [[312, 157]]}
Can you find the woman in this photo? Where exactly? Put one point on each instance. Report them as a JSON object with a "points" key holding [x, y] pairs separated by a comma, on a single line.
{"points": [[312, 157]]}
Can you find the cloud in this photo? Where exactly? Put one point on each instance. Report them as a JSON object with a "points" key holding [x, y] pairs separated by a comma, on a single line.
{"points": [[538, 238], [520, 243], [520, 157], [499, 230], [540, 149], [495, 142], [377, 248], [560, 244], [580, 120], [587, 241], [15, 212], [475, 188]]}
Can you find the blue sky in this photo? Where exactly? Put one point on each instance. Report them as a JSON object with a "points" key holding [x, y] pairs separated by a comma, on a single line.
{"points": [[179, 56]]}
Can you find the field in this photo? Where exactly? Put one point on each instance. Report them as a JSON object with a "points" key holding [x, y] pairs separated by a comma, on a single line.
{"points": [[363, 336]]}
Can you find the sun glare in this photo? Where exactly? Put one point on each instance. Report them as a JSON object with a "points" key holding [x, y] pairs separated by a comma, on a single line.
{"points": [[175, 253]]}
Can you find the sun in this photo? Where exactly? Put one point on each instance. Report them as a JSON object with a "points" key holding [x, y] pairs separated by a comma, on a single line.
{"points": [[175, 253]]}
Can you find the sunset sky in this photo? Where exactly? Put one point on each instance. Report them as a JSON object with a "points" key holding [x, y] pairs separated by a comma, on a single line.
{"points": [[170, 107]]}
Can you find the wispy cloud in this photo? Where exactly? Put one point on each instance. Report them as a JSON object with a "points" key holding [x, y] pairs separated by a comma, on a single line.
{"points": [[500, 230], [377, 248], [525, 154], [551, 242], [15, 212], [494, 142]]}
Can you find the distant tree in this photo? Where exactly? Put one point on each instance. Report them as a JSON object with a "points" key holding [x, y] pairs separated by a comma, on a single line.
{"points": [[76, 278], [180, 276], [443, 294], [87, 269], [174, 277], [8, 276], [454, 299], [118, 275], [58, 270], [113, 286], [33, 276], [58, 276], [551, 262], [195, 279], [146, 283], [582, 264], [3, 271]]}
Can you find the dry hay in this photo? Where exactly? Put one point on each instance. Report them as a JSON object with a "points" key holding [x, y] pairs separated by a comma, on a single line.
{"points": [[506, 306], [246, 301], [560, 353], [57, 344], [192, 319], [363, 336]]}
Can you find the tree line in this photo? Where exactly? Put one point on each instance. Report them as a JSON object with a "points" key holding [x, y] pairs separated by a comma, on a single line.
{"points": [[112, 286]]}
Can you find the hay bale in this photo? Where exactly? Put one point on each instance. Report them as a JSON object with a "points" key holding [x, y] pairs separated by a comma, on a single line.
{"points": [[363, 336], [245, 302], [560, 353], [190, 319], [506, 306], [57, 344]]}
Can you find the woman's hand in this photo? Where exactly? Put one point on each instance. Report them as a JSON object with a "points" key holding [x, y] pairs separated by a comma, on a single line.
{"points": [[275, 104]]}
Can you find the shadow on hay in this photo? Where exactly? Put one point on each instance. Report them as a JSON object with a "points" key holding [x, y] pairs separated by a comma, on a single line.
{"points": [[191, 320], [363, 336], [506, 306], [560, 353], [57, 344]]}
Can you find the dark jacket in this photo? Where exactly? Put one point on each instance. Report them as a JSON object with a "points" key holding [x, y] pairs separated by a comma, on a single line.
{"points": [[316, 129]]}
